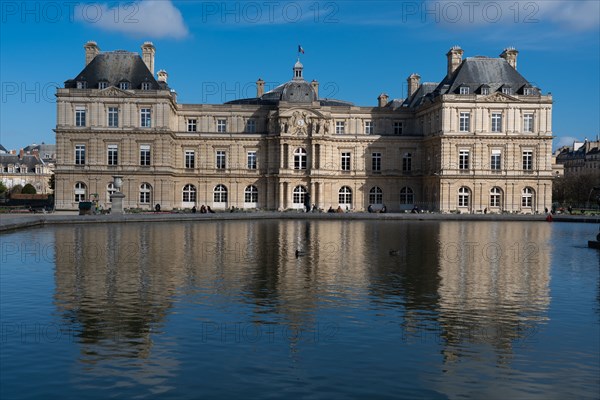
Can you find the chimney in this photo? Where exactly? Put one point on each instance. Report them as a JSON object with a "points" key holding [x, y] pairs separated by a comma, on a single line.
{"points": [[454, 58], [148, 52], [383, 99], [162, 76], [91, 51], [21, 154], [414, 81], [510, 55], [260, 87], [315, 86]]}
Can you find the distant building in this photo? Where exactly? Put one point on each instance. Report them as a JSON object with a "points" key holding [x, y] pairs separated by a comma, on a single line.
{"points": [[581, 158], [481, 139]]}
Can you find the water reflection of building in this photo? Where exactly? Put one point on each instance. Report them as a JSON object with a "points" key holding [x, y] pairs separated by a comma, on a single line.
{"points": [[494, 286]]}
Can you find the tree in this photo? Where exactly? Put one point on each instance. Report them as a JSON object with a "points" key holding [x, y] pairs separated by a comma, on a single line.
{"points": [[3, 188], [28, 189], [51, 182], [575, 190], [16, 189]]}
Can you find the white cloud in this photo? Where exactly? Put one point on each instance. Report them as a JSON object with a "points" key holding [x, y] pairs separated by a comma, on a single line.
{"points": [[572, 15], [561, 141], [147, 18]]}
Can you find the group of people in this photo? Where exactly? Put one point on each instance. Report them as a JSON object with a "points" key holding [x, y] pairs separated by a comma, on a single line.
{"points": [[338, 210], [203, 209]]}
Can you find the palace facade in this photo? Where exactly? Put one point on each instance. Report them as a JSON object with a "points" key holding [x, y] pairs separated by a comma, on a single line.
{"points": [[478, 141]]}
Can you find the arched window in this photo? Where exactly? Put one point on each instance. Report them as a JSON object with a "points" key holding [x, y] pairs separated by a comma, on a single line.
{"points": [[189, 193], [251, 195], [345, 196], [496, 197], [298, 196], [80, 191], [407, 196], [300, 158], [463, 196], [145, 192], [527, 197], [110, 190], [220, 194], [376, 195]]}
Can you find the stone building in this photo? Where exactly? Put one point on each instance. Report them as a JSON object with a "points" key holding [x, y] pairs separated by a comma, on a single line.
{"points": [[581, 158], [479, 140], [26, 167]]}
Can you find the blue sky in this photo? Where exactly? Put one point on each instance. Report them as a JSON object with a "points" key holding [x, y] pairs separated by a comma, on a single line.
{"points": [[215, 51]]}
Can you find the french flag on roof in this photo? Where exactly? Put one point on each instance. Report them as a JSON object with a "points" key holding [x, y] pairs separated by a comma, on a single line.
{"points": [[300, 49]]}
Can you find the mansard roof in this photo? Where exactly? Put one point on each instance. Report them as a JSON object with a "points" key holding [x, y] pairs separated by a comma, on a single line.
{"points": [[474, 72], [114, 67], [296, 90], [421, 95], [29, 160], [3, 149]]}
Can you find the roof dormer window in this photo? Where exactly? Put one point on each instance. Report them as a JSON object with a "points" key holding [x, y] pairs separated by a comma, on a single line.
{"points": [[81, 84], [102, 85], [145, 85], [124, 85], [485, 90], [506, 90], [463, 90]]}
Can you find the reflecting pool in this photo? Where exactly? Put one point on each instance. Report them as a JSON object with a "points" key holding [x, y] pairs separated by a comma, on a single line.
{"points": [[311, 309]]}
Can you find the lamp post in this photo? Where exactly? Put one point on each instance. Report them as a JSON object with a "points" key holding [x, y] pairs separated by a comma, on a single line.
{"points": [[117, 197]]}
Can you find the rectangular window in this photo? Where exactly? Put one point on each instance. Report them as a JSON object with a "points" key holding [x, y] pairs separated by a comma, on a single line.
{"points": [[252, 160], [398, 127], [102, 85], [113, 117], [527, 160], [145, 155], [124, 85], [527, 91], [340, 127], [251, 126], [81, 85], [79, 154], [221, 125], [191, 125], [145, 117], [345, 161], [80, 116], [368, 127], [506, 90], [496, 160], [145, 85], [376, 162], [190, 159], [113, 154], [407, 162], [485, 90], [464, 122], [464, 90], [528, 122], [463, 160], [496, 122], [221, 159]]}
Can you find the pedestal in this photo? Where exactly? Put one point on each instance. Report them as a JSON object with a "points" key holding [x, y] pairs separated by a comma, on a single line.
{"points": [[117, 203]]}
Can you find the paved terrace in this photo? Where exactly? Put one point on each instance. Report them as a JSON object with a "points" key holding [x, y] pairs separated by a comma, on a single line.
{"points": [[19, 221]]}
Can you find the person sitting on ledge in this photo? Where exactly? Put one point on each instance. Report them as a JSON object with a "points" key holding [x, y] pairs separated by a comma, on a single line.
{"points": [[194, 210], [370, 208], [339, 210], [331, 210], [208, 209], [202, 209], [383, 209], [157, 208]]}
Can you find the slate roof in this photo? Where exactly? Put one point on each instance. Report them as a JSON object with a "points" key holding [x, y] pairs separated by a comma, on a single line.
{"points": [[3, 149], [474, 72], [421, 95], [114, 67], [29, 160]]}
